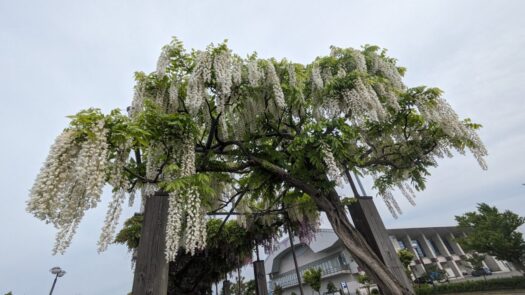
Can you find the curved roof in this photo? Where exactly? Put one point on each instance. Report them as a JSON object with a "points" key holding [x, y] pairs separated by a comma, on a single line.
{"points": [[324, 240]]}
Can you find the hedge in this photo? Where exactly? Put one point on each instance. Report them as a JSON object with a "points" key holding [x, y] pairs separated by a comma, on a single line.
{"points": [[471, 286]]}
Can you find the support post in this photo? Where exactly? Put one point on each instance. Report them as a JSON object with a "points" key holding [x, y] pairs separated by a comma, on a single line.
{"points": [[260, 278], [368, 222], [151, 268], [226, 287]]}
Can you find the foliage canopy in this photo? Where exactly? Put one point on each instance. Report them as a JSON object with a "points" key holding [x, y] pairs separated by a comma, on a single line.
{"points": [[261, 136], [494, 233]]}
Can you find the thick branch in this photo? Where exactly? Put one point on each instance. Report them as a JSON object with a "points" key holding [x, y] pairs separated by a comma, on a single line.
{"points": [[281, 173]]}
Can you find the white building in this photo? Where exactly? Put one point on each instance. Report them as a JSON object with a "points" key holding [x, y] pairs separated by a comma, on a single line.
{"points": [[432, 245]]}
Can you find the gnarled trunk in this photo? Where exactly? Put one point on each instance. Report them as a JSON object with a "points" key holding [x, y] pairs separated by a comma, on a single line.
{"points": [[357, 245]]}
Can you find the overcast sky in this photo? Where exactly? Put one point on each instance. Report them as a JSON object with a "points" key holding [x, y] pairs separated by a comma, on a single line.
{"points": [[58, 57]]}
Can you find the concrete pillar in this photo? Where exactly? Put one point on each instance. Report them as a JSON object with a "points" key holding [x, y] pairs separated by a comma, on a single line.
{"points": [[426, 246], [151, 267], [260, 278], [226, 287], [394, 242], [444, 250], [492, 263], [455, 268], [455, 245], [419, 268], [441, 245], [368, 222]]}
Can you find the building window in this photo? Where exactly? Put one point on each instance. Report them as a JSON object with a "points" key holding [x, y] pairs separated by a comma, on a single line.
{"points": [[434, 247], [417, 246], [401, 244], [449, 247]]}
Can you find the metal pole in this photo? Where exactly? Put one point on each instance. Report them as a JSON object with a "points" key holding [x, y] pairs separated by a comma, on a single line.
{"points": [[238, 280], [352, 184], [53, 287], [360, 184], [290, 236]]}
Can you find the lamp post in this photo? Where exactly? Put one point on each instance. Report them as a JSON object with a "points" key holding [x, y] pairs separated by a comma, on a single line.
{"points": [[58, 272]]}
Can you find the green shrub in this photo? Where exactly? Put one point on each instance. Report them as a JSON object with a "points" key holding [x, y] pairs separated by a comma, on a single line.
{"points": [[469, 286], [330, 287]]}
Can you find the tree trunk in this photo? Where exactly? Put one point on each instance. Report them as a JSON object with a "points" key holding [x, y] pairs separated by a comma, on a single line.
{"points": [[357, 245], [151, 268]]}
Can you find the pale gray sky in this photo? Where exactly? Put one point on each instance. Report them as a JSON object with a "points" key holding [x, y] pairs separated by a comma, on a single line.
{"points": [[58, 57]]}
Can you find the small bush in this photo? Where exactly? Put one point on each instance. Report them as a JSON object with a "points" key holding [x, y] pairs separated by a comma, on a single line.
{"points": [[470, 286]]}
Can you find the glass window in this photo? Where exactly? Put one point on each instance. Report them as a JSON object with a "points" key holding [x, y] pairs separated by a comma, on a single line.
{"points": [[449, 247], [434, 247], [401, 244], [417, 246]]}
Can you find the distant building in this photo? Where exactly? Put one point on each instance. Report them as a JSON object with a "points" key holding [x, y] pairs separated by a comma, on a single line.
{"points": [[431, 245]]}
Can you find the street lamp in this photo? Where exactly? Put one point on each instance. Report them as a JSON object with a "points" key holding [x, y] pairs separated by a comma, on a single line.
{"points": [[58, 272]]}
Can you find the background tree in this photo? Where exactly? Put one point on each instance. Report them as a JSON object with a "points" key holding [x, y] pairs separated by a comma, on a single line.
{"points": [[363, 279], [210, 126], [195, 274], [251, 287], [277, 290], [312, 277], [494, 233], [246, 287], [406, 257], [476, 261]]}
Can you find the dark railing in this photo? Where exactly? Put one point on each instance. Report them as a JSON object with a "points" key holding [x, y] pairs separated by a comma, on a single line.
{"points": [[328, 266]]}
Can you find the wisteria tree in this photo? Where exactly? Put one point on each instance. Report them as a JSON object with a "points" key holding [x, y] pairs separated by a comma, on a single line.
{"points": [[213, 128]]}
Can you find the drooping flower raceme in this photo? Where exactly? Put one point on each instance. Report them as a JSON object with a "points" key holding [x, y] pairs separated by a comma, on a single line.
{"points": [[118, 181], [185, 207], [276, 86], [332, 169], [70, 182]]}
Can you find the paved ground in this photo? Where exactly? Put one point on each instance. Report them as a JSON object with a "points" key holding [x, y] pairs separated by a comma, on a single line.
{"points": [[510, 292], [495, 275]]}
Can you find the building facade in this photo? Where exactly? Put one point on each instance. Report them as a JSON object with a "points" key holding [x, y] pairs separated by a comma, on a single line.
{"points": [[434, 246]]}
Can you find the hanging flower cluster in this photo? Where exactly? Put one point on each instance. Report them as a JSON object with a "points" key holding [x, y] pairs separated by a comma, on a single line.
{"points": [[70, 182], [185, 208], [255, 75], [363, 101], [276, 86], [436, 109], [332, 169], [118, 181]]}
